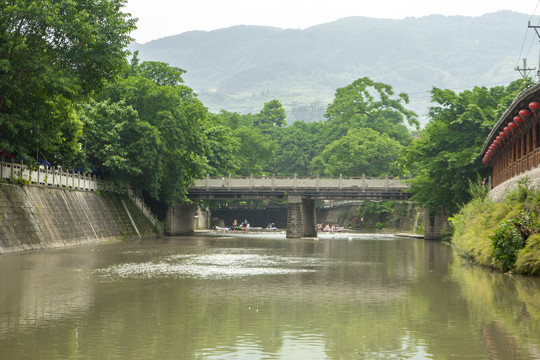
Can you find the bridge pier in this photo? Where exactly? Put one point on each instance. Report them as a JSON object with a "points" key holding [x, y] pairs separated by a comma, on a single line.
{"points": [[435, 225], [180, 220], [300, 217]]}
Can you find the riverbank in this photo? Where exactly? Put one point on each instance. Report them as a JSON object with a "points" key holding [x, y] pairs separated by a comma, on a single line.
{"points": [[503, 235], [38, 217]]}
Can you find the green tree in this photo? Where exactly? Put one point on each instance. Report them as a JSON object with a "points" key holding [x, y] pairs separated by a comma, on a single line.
{"points": [[368, 104], [125, 148], [233, 120], [179, 117], [361, 151], [446, 155], [53, 54], [271, 115], [297, 145], [222, 147], [161, 73], [255, 151]]}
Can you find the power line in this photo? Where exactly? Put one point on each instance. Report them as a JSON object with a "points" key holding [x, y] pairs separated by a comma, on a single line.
{"points": [[534, 11], [523, 44], [530, 46]]}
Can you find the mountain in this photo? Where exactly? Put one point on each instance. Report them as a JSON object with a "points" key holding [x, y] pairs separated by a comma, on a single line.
{"points": [[242, 67]]}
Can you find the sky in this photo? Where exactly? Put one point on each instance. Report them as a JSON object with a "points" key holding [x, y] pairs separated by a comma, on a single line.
{"points": [[160, 18]]}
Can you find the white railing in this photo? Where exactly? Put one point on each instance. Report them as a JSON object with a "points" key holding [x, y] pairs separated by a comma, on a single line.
{"points": [[318, 183], [145, 210], [48, 176]]}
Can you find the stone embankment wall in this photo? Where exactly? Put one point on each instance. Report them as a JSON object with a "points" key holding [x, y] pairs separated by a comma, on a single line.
{"points": [[36, 217], [405, 217], [498, 193]]}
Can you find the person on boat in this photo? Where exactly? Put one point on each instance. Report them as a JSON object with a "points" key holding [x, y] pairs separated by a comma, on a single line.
{"points": [[327, 228]]}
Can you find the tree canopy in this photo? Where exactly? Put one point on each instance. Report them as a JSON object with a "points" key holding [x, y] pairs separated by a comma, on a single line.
{"points": [[368, 104], [152, 102], [446, 155], [361, 151], [53, 54], [363, 134]]}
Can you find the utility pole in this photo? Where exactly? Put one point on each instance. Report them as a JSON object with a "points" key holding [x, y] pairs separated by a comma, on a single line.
{"points": [[524, 69], [535, 27]]}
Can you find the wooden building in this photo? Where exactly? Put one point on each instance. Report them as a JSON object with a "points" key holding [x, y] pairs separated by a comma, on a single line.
{"points": [[513, 146]]}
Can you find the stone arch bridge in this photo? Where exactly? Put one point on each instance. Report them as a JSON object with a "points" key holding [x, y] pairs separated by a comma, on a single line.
{"points": [[300, 193]]}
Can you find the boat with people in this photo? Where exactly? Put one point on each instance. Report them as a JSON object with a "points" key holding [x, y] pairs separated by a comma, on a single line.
{"points": [[329, 228], [220, 228], [245, 226]]}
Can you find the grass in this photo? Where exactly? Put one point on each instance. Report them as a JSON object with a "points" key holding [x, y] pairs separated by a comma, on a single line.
{"points": [[474, 227], [528, 260]]}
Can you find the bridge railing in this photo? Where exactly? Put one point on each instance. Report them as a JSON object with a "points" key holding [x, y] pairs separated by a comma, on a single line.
{"points": [[295, 182]]}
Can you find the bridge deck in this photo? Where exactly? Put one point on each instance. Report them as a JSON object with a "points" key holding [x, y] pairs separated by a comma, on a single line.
{"points": [[313, 188]]}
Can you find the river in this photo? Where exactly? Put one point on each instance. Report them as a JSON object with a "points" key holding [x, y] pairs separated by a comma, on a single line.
{"points": [[261, 296]]}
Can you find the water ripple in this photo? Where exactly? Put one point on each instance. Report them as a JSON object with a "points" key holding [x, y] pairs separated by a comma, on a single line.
{"points": [[209, 266]]}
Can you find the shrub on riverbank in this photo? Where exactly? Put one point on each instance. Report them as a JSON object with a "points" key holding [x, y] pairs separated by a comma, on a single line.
{"points": [[501, 235]]}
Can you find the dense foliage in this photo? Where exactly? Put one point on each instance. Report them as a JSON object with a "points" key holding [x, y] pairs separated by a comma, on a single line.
{"points": [[52, 55], [360, 151], [501, 235], [446, 155], [506, 242], [364, 134]]}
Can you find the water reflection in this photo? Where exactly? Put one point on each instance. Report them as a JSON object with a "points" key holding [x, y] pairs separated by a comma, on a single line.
{"points": [[350, 296], [510, 305], [31, 294]]}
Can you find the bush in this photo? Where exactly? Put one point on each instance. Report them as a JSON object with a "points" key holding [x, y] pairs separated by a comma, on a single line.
{"points": [[506, 242], [527, 224], [528, 260], [515, 244], [477, 189], [520, 194]]}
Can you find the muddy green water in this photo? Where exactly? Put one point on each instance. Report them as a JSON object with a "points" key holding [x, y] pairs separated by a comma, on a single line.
{"points": [[346, 296]]}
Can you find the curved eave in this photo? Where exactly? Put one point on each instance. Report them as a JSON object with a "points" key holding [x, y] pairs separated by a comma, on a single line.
{"points": [[521, 102]]}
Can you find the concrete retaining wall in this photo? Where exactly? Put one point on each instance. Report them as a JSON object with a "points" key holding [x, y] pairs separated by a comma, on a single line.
{"points": [[35, 217]]}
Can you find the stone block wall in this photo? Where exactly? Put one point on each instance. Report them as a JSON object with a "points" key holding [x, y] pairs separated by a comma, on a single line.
{"points": [[180, 220], [498, 193], [435, 225]]}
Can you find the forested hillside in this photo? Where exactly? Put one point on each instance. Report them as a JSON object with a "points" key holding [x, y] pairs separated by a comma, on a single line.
{"points": [[240, 68]]}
